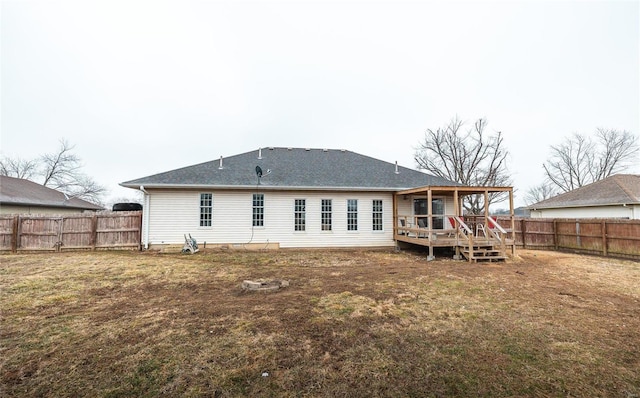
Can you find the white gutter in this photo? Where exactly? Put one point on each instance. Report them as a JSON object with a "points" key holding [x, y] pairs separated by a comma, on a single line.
{"points": [[145, 218], [272, 188]]}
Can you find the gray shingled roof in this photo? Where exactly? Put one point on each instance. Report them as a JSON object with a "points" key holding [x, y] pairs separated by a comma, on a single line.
{"points": [[615, 190], [294, 168], [20, 192]]}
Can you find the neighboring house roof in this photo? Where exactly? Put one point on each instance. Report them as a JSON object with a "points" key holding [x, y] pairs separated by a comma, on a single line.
{"points": [[618, 189], [294, 168], [20, 192]]}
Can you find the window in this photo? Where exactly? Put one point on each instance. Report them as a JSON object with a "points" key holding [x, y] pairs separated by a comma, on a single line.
{"points": [[325, 215], [352, 214], [206, 209], [258, 210], [377, 215], [299, 215]]}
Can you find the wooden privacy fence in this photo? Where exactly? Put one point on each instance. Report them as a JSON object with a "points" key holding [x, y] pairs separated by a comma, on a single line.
{"points": [[105, 230], [609, 237]]}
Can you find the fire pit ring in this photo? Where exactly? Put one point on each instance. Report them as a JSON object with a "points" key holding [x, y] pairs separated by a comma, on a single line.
{"points": [[263, 285]]}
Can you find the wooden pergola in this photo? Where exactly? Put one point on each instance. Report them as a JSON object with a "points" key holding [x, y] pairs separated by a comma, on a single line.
{"points": [[473, 236]]}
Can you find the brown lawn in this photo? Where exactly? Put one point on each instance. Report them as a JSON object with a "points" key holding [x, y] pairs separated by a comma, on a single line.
{"points": [[351, 323]]}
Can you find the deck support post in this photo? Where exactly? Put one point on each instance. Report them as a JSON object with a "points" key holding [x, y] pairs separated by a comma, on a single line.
{"points": [[457, 213], [457, 256], [513, 224]]}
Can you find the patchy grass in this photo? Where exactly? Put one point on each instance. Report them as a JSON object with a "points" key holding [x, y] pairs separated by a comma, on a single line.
{"points": [[351, 323]]}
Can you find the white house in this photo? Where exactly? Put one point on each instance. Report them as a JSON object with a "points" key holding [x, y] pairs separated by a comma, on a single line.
{"points": [[282, 197], [617, 196]]}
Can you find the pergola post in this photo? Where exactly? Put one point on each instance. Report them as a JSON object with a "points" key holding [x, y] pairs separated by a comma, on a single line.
{"points": [[513, 224], [395, 216], [457, 213], [486, 207], [430, 223]]}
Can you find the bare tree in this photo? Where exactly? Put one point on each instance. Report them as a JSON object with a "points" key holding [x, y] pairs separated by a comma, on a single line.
{"points": [[539, 193], [60, 170], [18, 168], [471, 157], [580, 160]]}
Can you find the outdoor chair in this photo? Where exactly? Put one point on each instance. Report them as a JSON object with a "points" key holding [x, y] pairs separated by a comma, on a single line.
{"points": [[422, 224], [403, 225]]}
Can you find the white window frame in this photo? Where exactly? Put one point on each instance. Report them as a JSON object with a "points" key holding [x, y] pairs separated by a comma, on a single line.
{"points": [[352, 215], [206, 209], [257, 212], [377, 215], [300, 215], [326, 215]]}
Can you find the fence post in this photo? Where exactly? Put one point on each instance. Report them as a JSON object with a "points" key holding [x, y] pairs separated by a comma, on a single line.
{"points": [[140, 231], [94, 231], [523, 228], [14, 234], [59, 243], [555, 234], [604, 238]]}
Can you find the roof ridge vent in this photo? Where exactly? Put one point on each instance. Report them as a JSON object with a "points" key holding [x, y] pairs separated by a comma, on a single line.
{"points": [[325, 150], [307, 149], [343, 150]]}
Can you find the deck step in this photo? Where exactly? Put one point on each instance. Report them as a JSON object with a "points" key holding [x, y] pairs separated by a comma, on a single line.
{"points": [[482, 253]]}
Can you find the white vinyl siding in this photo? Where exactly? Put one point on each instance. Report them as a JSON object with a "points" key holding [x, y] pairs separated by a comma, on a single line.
{"points": [[618, 211], [173, 214]]}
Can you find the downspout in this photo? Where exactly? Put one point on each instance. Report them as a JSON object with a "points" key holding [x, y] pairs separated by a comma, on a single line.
{"points": [[145, 218]]}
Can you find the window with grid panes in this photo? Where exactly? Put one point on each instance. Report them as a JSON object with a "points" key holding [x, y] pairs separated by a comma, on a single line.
{"points": [[299, 215], [377, 215], [206, 209], [325, 215], [258, 210], [352, 214]]}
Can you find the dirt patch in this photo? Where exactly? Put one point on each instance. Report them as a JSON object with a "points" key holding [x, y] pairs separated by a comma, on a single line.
{"points": [[351, 323]]}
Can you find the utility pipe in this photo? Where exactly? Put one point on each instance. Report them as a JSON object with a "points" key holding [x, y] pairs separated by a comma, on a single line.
{"points": [[145, 217]]}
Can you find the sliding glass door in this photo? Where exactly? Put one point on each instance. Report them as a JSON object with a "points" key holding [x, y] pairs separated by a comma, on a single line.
{"points": [[437, 208]]}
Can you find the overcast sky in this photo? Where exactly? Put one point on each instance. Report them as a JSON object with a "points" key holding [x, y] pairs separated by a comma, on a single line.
{"points": [[147, 87]]}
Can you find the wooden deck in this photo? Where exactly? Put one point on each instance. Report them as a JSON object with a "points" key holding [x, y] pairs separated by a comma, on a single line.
{"points": [[473, 250], [434, 216], [474, 245]]}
